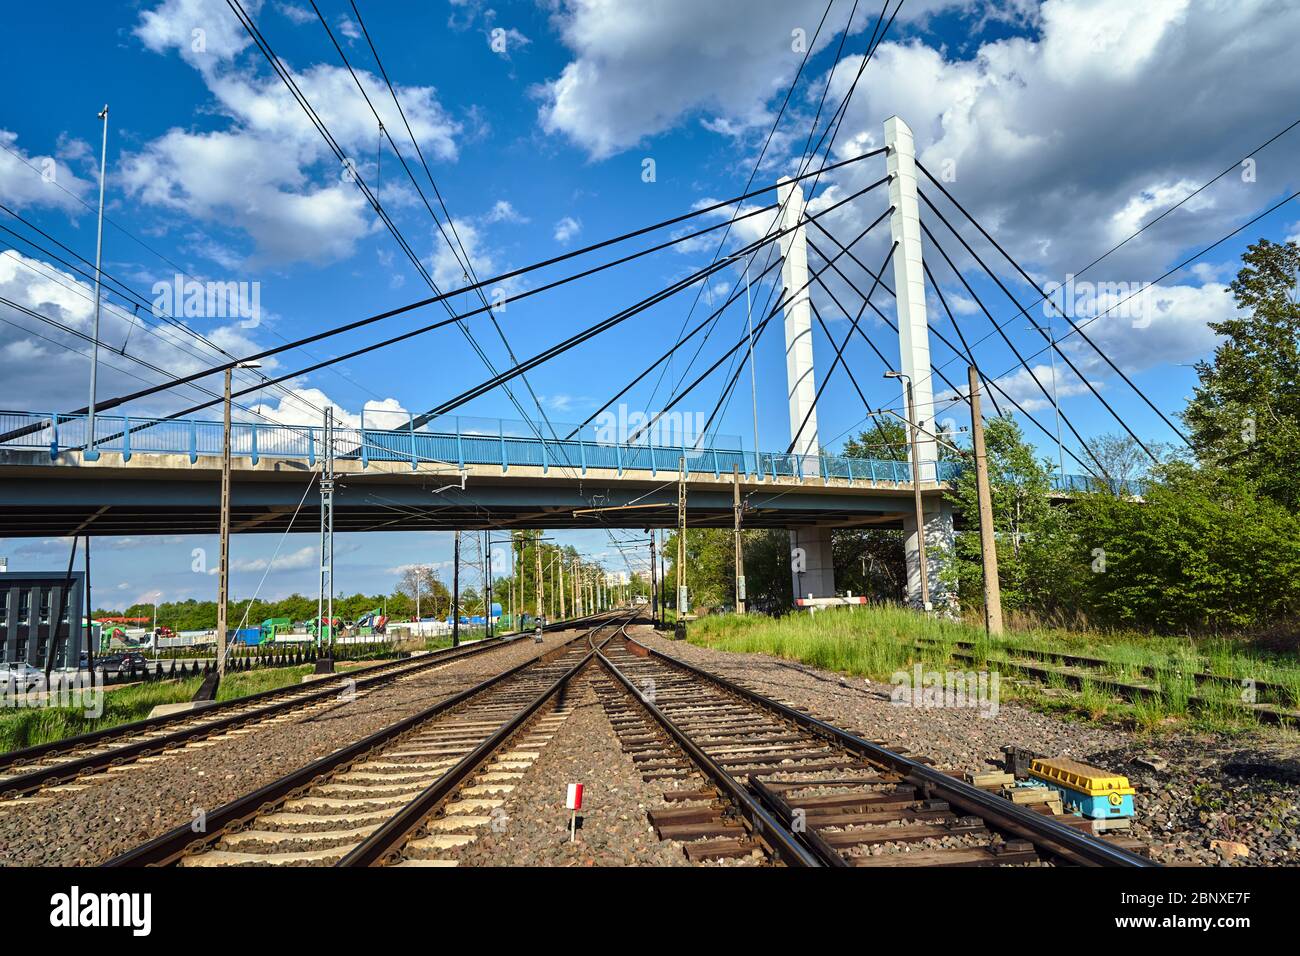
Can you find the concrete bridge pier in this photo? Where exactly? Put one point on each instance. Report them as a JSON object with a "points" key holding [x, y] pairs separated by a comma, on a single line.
{"points": [[939, 544], [812, 563]]}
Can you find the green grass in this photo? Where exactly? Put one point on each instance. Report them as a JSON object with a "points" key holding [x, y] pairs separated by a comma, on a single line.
{"points": [[877, 641], [29, 726]]}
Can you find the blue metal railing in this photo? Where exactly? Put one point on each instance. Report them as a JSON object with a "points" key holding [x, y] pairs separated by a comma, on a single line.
{"points": [[459, 442]]}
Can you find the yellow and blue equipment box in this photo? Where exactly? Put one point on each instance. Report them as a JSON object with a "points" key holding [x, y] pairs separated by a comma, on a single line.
{"points": [[1095, 793]]}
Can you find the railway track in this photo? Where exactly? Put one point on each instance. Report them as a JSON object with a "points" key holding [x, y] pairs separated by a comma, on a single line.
{"points": [[401, 796], [26, 771], [747, 779], [1078, 671], [808, 792]]}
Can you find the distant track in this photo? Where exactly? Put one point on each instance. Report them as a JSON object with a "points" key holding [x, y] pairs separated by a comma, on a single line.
{"points": [[371, 802], [32, 768]]}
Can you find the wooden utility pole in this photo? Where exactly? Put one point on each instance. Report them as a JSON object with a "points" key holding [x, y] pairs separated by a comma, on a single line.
{"points": [[559, 567], [740, 550], [487, 567], [683, 599], [988, 543], [537, 569], [654, 582], [455, 593], [223, 572]]}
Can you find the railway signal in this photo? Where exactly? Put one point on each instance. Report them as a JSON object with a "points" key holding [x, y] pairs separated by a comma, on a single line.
{"points": [[573, 803]]}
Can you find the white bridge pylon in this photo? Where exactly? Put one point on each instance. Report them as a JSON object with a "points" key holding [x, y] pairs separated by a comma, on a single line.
{"points": [[812, 566]]}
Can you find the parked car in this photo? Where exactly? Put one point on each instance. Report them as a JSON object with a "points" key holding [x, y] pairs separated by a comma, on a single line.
{"points": [[20, 675], [122, 664]]}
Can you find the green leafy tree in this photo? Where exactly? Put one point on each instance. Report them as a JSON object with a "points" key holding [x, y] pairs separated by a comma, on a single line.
{"points": [[887, 441], [1245, 414], [1201, 552]]}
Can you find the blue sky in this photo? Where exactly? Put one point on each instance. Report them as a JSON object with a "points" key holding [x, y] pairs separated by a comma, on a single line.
{"points": [[1067, 125]]}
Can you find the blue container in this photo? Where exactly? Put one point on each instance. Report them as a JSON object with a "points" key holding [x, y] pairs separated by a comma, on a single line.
{"points": [[1099, 806], [249, 635]]}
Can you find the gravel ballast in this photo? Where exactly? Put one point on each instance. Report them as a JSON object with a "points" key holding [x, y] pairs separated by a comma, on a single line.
{"points": [[614, 829], [103, 815], [1203, 799]]}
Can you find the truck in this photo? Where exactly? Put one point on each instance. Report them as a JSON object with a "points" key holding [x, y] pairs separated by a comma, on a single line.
{"points": [[273, 627]]}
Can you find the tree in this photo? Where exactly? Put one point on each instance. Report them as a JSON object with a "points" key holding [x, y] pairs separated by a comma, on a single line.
{"points": [[888, 441], [424, 587], [1125, 463], [1245, 414], [870, 561], [1201, 552]]}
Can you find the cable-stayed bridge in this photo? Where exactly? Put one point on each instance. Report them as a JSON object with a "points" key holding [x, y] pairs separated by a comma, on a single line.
{"points": [[157, 475]]}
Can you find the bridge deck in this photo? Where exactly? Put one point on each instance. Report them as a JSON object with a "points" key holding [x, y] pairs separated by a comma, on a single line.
{"points": [[158, 476], [171, 495]]}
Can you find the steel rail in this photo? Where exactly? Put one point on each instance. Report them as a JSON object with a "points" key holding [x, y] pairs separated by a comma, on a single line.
{"points": [[375, 849], [1056, 838], [38, 777], [169, 847], [761, 823]]}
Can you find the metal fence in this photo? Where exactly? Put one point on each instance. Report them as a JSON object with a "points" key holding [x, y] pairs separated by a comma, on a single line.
{"points": [[456, 441]]}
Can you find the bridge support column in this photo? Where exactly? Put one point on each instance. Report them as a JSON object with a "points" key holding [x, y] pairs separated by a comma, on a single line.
{"points": [[939, 545], [914, 364], [811, 562]]}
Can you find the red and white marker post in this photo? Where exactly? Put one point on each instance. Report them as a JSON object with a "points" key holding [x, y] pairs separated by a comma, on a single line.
{"points": [[573, 803]]}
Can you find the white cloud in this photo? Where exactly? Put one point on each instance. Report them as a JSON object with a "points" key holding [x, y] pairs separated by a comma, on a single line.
{"points": [[566, 229], [270, 173], [307, 556], [503, 211], [236, 179], [58, 379], [305, 406], [296, 14], [1024, 387], [203, 32], [28, 179], [639, 69]]}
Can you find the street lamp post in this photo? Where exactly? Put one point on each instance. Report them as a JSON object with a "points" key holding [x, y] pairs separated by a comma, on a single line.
{"points": [[923, 567], [90, 453]]}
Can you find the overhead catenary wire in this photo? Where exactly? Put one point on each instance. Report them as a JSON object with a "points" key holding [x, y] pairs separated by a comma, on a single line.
{"points": [[934, 369], [787, 296], [105, 405], [108, 404], [354, 174], [1061, 352], [839, 350], [1001, 331], [877, 37], [1179, 267], [464, 262], [1044, 298], [752, 174], [1133, 235], [662, 358]]}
